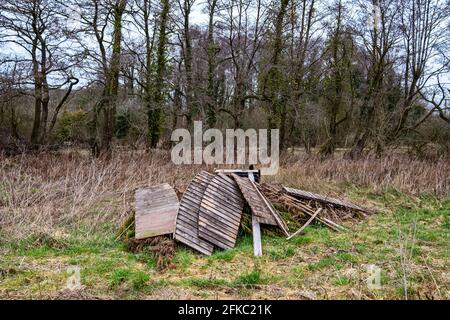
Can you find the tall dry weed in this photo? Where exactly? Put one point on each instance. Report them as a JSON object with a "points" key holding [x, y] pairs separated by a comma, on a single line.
{"points": [[46, 191], [399, 172], [49, 191]]}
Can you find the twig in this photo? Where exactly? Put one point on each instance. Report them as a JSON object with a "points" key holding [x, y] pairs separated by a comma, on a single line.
{"points": [[305, 225]]}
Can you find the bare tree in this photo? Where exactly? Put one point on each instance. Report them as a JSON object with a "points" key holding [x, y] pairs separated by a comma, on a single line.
{"points": [[239, 43], [211, 107], [156, 113], [36, 28], [439, 100], [273, 81], [338, 79], [144, 17], [185, 7], [378, 45], [423, 27], [304, 55], [97, 19]]}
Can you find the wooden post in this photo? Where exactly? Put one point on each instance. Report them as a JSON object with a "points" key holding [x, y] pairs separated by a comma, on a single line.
{"points": [[257, 247], [256, 229]]}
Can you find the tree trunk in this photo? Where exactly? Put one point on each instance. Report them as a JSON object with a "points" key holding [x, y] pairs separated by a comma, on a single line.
{"points": [[190, 96], [273, 82], [212, 97], [105, 113], [155, 112]]}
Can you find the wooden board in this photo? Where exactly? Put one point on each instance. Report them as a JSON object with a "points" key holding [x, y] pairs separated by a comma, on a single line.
{"points": [[241, 173], [259, 208], [305, 195], [156, 210], [221, 212], [262, 209], [187, 222]]}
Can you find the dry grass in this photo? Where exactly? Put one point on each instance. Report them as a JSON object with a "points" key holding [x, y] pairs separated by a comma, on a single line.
{"points": [[47, 191], [398, 172], [41, 193]]}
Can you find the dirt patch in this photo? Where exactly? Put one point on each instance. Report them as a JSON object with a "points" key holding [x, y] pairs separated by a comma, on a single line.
{"points": [[81, 294], [4, 273]]}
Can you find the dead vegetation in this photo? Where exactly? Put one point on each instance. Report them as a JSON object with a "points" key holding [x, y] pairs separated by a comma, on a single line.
{"points": [[81, 294], [302, 210], [162, 247], [397, 171], [45, 191], [45, 198]]}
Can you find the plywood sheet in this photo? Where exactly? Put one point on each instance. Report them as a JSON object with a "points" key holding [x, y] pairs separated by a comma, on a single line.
{"points": [[221, 212], [187, 222], [156, 210]]}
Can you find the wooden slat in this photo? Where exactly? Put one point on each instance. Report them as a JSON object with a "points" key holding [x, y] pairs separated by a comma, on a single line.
{"points": [[221, 212], [242, 173], [259, 209], [257, 245], [305, 195], [187, 222], [295, 205], [156, 210], [275, 214]]}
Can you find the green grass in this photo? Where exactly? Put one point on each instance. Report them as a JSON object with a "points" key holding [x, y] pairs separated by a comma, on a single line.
{"points": [[301, 240], [147, 258], [324, 263], [250, 278], [184, 258], [203, 283], [341, 281], [281, 253], [227, 255], [319, 260], [138, 279]]}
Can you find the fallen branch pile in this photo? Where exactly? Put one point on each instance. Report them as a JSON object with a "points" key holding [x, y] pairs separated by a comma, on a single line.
{"points": [[299, 210]]}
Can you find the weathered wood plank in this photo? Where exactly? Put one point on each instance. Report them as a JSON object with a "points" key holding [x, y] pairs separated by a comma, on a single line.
{"points": [[257, 245], [275, 214], [215, 212], [259, 208], [242, 173], [305, 195], [194, 242], [187, 222], [256, 228], [156, 210]]}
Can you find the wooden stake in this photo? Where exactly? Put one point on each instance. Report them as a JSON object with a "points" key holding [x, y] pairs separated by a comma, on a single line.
{"points": [[257, 246], [256, 229]]}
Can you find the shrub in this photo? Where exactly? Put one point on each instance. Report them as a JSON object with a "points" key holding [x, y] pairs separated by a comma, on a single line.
{"points": [[123, 124], [72, 126]]}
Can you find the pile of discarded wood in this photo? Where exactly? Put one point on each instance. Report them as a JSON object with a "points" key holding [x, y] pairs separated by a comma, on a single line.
{"points": [[210, 211]]}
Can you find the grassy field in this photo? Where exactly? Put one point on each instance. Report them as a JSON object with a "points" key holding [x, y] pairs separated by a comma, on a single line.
{"points": [[63, 211]]}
